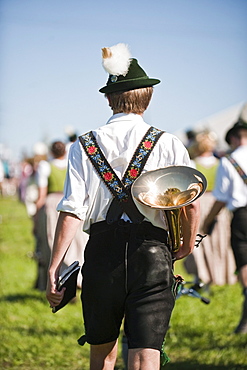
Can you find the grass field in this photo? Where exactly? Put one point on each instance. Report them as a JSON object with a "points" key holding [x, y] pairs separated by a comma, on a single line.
{"points": [[200, 336]]}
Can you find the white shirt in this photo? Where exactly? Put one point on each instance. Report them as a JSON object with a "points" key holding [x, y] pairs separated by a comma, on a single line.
{"points": [[230, 187], [86, 195], [1, 171]]}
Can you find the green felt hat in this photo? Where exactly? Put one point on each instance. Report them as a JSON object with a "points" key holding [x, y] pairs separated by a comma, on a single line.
{"points": [[133, 78]]}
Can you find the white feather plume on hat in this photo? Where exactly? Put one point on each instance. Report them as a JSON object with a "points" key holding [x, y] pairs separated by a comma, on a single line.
{"points": [[116, 59]]}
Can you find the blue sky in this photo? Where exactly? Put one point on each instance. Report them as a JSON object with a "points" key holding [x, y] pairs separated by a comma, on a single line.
{"points": [[50, 69]]}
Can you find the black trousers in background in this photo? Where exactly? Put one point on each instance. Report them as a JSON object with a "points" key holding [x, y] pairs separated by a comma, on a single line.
{"points": [[239, 236]]}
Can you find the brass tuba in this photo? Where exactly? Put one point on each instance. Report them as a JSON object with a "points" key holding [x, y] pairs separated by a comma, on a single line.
{"points": [[169, 189]]}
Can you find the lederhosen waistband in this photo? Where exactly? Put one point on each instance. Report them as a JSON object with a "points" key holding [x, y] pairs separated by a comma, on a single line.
{"points": [[144, 229]]}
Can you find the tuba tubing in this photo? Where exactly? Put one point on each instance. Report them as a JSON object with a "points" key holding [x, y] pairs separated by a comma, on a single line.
{"points": [[174, 228], [169, 189]]}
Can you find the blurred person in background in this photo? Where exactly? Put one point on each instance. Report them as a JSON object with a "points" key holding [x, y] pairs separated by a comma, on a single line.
{"points": [[28, 190], [231, 191], [71, 138], [50, 179], [190, 136], [1, 176], [26, 174], [9, 173], [213, 261]]}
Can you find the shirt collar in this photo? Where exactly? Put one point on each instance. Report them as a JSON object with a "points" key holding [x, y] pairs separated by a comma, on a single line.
{"points": [[120, 117]]}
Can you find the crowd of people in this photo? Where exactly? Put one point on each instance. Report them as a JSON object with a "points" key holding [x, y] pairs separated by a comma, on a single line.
{"points": [[128, 265], [50, 178], [213, 262], [38, 183], [222, 256]]}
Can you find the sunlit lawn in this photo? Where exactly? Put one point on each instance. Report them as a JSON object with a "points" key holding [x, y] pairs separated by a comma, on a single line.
{"points": [[200, 336]]}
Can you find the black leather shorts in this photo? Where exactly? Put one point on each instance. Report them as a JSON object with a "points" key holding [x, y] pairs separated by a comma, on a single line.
{"points": [[127, 274], [239, 236]]}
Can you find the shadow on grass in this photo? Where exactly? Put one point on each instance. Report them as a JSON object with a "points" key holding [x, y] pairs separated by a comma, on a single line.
{"points": [[187, 365], [23, 297], [30, 331], [211, 340]]}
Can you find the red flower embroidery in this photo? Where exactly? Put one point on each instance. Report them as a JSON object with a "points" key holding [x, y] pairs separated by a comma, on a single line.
{"points": [[133, 173], [92, 149], [147, 144], [108, 176]]}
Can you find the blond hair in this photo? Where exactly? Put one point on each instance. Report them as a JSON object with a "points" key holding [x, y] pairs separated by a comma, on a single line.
{"points": [[203, 142], [206, 142], [132, 101]]}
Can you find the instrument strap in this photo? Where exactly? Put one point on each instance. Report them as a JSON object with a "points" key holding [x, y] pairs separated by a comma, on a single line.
{"points": [[120, 189], [237, 167]]}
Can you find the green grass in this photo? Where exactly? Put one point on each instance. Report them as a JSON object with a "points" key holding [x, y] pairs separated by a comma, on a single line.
{"points": [[200, 336]]}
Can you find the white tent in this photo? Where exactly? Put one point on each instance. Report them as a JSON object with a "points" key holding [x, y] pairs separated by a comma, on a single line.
{"points": [[219, 123]]}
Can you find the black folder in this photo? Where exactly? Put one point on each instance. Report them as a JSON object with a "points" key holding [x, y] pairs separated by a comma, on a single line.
{"points": [[67, 279]]}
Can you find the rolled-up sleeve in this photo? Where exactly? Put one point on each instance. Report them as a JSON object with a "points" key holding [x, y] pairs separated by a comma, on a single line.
{"points": [[75, 198]]}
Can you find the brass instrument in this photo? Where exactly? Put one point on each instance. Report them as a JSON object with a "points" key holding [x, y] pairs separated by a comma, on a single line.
{"points": [[169, 189]]}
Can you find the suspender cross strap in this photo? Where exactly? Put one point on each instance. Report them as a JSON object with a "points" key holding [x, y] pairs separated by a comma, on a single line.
{"points": [[120, 189], [237, 167]]}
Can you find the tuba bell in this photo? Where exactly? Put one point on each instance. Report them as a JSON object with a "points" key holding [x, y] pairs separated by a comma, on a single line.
{"points": [[169, 189]]}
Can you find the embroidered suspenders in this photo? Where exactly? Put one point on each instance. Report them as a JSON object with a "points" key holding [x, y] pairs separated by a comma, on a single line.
{"points": [[237, 167], [120, 189]]}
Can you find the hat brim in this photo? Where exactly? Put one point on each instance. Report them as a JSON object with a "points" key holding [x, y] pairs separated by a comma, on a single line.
{"points": [[130, 84]]}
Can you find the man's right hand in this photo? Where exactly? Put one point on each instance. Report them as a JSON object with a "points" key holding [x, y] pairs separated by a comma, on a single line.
{"points": [[53, 296]]}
